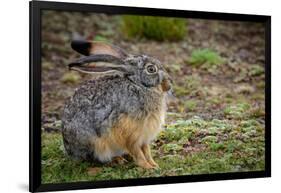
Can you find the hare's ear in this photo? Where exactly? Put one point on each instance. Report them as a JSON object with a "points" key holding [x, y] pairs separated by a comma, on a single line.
{"points": [[81, 46], [99, 64], [92, 48]]}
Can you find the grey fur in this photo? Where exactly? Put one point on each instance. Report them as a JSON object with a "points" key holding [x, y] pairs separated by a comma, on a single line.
{"points": [[97, 104]]}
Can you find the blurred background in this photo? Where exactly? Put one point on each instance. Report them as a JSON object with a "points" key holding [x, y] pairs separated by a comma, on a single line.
{"points": [[217, 123]]}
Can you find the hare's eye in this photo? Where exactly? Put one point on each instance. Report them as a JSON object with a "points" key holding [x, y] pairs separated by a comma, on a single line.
{"points": [[151, 69]]}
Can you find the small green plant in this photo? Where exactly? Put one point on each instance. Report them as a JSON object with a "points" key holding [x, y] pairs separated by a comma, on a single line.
{"points": [[216, 146], [191, 86], [205, 57], [47, 66], [237, 111], [190, 105], [256, 70], [156, 28], [71, 78], [100, 38]]}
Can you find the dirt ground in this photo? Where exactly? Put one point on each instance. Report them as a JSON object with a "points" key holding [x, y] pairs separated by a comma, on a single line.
{"points": [[217, 123]]}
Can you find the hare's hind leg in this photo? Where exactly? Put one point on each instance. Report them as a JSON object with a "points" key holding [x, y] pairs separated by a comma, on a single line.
{"points": [[104, 149], [146, 151], [119, 160]]}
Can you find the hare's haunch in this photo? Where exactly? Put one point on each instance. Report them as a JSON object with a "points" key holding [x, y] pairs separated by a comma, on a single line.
{"points": [[119, 112]]}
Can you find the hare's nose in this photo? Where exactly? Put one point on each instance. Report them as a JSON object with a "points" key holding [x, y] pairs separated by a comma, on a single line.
{"points": [[166, 85], [165, 76], [169, 77]]}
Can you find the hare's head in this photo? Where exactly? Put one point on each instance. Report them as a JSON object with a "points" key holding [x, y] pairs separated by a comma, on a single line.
{"points": [[103, 58]]}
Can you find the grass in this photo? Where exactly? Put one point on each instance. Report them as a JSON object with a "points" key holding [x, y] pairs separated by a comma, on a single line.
{"points": [[100, 38], [236, 111], [190, 86], [256, 70], [185, 147], [70, 77], [205, 57], [155, 28]]}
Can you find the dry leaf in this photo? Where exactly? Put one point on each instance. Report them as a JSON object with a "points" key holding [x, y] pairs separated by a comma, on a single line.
{"points": [[94, 171]]}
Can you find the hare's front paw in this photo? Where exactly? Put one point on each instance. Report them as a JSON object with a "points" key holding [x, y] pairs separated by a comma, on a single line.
{"points": [[146, 152], [139, 158], [144, 164], [153, 163]]}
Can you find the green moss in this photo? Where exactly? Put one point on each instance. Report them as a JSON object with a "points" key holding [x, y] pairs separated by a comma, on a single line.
{"points": [[177, 131], [156, 28], [209, 139], [237, 111], [171, 147]]}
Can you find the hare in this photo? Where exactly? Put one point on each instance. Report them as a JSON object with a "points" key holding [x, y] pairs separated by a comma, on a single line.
{"points": [[119, 112]]}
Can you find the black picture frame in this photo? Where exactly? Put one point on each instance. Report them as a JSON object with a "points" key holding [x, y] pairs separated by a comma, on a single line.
{"points": [[35, 8]]}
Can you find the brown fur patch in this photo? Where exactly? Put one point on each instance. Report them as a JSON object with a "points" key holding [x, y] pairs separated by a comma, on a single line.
{"points": [[166, 85], [128, 132]]}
